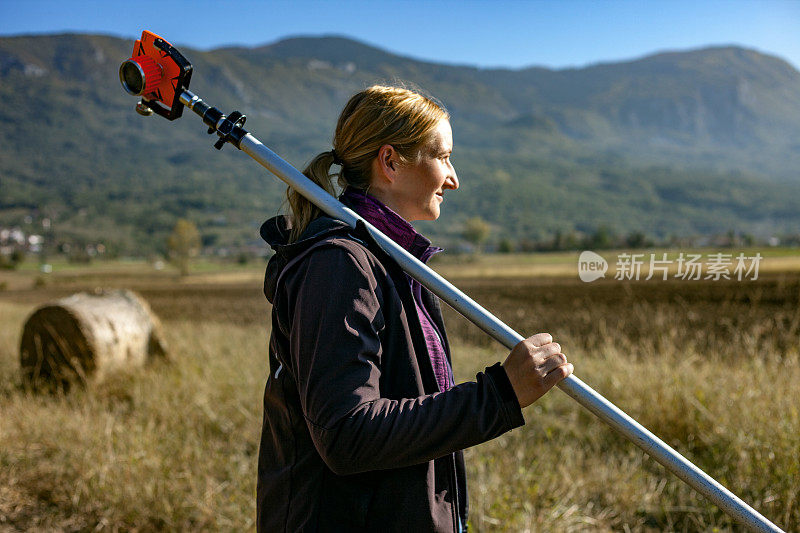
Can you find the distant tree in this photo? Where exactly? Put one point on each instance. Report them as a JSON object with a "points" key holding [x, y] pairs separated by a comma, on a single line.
{"points": [[476, 231], [209, 239], [183, 243], [505, 246], [13, 260], [636, 239], [731, 238], [602, 239], [571, 241], [562, 241], [17, 257], [558, 241]]}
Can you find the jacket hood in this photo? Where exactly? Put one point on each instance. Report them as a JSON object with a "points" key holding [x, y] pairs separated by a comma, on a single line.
{"points": [[275, 232]]}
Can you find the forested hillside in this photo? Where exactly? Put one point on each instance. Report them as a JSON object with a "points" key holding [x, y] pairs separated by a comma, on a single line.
{"points": [[676, 144]]}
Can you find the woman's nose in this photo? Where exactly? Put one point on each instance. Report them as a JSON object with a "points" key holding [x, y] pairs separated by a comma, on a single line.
{"points": [[452, 179]]}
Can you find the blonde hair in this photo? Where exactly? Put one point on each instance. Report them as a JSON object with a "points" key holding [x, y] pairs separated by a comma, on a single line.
{"points": [[372, 118]]}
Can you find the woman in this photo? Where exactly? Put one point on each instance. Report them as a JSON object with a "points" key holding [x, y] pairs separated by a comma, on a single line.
{"points": [[363, 424]]}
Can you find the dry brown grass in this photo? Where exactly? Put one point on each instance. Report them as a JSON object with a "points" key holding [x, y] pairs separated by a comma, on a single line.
{"points": [[171, 447], [712, 368], [566, 471]]}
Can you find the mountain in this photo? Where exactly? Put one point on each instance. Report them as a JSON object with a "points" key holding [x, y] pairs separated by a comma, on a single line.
{"points": [[677, 143]]}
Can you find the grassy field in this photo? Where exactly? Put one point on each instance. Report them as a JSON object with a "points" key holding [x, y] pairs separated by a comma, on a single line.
{"points": [[711, 367]]}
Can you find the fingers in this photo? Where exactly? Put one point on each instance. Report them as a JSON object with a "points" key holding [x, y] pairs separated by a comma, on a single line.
{"points": [[551, 362], [549, 349], [540, 339], [535, 352], [557, 374]]}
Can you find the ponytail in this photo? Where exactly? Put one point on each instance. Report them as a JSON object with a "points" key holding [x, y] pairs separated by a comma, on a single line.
{"points": [[303, 211]]}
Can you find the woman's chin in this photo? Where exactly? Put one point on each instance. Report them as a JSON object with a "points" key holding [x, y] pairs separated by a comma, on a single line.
{"points": [[433, 213]]}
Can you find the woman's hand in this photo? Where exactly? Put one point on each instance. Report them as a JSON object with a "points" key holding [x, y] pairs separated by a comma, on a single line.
{"points": [[534, 367]]}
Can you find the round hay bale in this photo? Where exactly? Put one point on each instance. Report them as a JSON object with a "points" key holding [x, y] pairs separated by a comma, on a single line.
{"points": [[85, 336]]}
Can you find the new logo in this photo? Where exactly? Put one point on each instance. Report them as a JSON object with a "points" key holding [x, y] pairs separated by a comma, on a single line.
{"points": [[591, 266]]}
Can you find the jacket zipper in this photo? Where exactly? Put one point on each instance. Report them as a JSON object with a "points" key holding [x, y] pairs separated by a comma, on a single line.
{"points": [[456, 506]]}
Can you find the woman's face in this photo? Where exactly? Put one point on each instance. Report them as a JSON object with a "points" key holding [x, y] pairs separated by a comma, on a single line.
{"points": [[419, 188]]}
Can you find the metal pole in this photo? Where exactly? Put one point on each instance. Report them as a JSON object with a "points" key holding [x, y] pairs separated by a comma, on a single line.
{"points": [[573, 386]]}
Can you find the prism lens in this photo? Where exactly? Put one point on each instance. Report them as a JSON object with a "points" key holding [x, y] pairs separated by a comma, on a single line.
{"points": [[132, 77]]}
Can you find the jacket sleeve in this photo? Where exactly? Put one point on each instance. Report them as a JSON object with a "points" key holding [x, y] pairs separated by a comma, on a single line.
{"points": [[335, 322]]}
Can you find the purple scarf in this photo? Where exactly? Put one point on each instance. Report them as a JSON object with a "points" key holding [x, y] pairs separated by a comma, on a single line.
{"points": [[403, 233]]}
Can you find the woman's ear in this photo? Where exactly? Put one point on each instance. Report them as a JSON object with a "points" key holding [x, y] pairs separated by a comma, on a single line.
{"points": [[387, 162]]}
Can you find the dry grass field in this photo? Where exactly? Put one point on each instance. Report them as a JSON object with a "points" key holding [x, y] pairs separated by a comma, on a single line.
{"points": [[711, 367]]}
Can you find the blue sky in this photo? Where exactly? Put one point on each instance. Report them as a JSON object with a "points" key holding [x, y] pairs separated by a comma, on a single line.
{"points": [[483, 33]]}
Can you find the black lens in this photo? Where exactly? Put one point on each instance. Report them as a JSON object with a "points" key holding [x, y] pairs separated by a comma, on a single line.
{"points": [[132, 77]]}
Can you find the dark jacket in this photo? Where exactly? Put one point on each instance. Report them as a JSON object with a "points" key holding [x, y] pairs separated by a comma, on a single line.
{"points": [[356, 436]]}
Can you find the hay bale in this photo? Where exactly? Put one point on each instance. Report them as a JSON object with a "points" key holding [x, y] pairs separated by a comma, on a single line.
{"points": [[85, 336]]}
